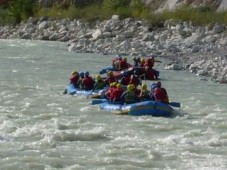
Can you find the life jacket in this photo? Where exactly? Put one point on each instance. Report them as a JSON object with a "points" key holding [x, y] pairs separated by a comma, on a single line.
{"points": [[117, 93], [74, 80], [109, 80], [88, 83], [123, 65], [150, 74], [149, 63], [160, 94], [144, 95], [135, 81], [100, 84], [125, 80], [109, 93], [130, 97]]}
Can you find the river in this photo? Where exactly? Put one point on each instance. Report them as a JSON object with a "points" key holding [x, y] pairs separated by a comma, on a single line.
{"points": [[40, 128]]}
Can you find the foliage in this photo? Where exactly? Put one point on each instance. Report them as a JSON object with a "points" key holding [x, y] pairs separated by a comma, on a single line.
{"points": [[3, 18], [21, 9], [115, 4], [199, 16], [139, 10], [86, 3]]}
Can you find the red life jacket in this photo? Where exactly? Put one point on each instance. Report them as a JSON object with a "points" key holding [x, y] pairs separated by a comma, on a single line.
{"points": [[74, 79], [117, 93], [160, 94], [123, 65], [109, 80], [150, 74], [88, 83], [135, 81], [125, 80], [149, 62], [109, 93]]}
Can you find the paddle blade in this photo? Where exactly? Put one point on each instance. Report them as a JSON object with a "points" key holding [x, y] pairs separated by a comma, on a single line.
{"points": [[121, 112], [97, 101], [95, 96], [175, 104]]}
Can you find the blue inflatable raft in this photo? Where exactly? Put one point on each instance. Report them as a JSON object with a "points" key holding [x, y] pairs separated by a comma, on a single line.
{"points": [[152, 108], [71, 90]]}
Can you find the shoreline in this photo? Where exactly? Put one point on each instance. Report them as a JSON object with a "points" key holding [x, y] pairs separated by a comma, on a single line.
{"points": [[199, 50]]}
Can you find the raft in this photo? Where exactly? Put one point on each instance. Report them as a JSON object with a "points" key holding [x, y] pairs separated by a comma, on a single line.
{"points": [[152, 108], [71, 90], [130, 70]]}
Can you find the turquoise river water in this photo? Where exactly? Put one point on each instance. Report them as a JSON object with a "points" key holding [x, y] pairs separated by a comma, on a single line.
{"points": [[40, 128]]}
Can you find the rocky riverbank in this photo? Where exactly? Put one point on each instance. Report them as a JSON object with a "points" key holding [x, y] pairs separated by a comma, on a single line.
{"points": [[199, 50]]}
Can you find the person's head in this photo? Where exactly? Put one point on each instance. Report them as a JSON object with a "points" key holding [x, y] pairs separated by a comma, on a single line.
{"points": [[74, 73], [153, 86], [119, 86], [142, 60], [86, 74], [159, 84], [98, 77], [144, 87], [111, 84], [151, 57], [138, 59], [82, 74], [110, 73], [114, 84], [125, 59], [129, 87]]}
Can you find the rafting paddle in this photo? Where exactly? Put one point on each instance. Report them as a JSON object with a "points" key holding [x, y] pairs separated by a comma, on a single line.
{"points": [[98, 101], [175, 104]]}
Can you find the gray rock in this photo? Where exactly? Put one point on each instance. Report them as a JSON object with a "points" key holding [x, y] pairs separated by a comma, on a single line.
{"points": [[43, 25]]}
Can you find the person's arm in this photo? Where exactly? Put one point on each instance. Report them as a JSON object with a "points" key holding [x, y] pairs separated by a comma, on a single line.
{"points": [[123, 96], [94, 87]]}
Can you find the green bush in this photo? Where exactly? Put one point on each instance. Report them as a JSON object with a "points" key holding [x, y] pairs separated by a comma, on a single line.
{"points": [[103, 9], [115, 4], [21, 9]]}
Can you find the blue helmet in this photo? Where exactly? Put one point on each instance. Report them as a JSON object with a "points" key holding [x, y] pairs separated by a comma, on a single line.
{"points": [[82, 74], [153, 86], [86, 74]]}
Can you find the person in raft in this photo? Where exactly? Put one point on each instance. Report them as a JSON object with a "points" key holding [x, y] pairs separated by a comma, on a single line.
{"points": [[135, 79], [87, 81], [109, 93], [149, 62], [74, 78], [99, 83], [144, 93], [160, 94], [110, 78], [116, 62], [125, 80], [80, 81], [117, 93], [123, 64], [130, 95]]}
